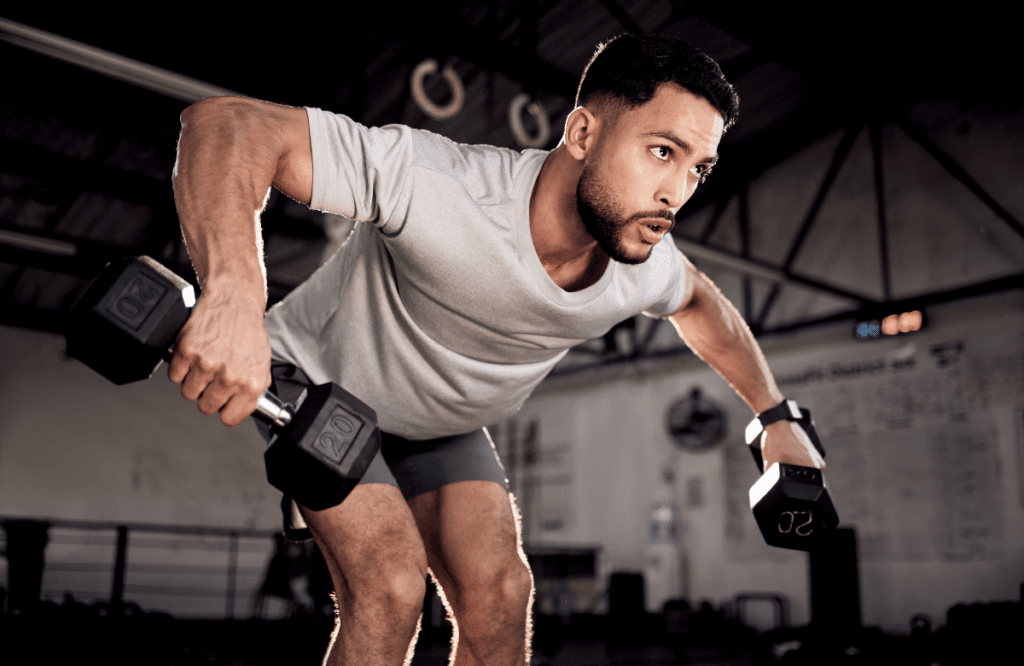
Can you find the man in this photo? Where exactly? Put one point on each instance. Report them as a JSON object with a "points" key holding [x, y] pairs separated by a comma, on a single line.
{"points": [[471, 273]]}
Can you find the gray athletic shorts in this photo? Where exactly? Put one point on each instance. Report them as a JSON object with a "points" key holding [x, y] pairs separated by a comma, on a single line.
{"points": [[414, 466]]}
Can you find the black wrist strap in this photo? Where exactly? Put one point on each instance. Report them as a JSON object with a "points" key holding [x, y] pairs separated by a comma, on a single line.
{"points": [[787, 410]]}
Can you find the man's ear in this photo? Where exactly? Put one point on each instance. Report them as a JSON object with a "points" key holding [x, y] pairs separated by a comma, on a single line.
{"points": [[581, 132]]}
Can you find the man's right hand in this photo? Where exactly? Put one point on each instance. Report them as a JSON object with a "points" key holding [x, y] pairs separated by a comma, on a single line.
{"points": [[222, 355]]}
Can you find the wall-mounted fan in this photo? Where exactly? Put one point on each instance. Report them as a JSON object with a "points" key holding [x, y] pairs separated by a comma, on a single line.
{"points": [[693, 423]]}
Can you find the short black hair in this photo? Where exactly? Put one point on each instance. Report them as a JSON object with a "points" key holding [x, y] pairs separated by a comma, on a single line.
{"points": [[629, 68]]}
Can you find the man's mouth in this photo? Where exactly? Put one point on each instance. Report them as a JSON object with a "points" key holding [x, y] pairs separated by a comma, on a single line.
{"points": [[652, 233], [657, 221], [658, 225]]}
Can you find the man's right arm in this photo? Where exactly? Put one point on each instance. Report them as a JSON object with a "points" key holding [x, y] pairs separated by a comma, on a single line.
{"points": [[230, 153]]}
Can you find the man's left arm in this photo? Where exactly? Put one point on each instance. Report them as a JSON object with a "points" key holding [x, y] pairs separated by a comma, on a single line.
{"points": [[715, 331]]}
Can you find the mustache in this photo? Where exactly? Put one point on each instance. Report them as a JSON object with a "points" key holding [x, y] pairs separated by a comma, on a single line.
{"points": [[663, 214]]}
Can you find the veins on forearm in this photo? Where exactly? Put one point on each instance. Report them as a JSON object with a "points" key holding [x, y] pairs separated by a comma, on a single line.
{"points": [[221, 182]]}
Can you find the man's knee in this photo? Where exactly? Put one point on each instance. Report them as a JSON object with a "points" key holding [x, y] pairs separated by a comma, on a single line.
{"points": [[374, 552], [495, 603], [386, 576], [401, 592]]}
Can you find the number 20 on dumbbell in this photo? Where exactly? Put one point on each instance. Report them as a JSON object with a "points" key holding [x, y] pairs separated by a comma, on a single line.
{"points": [[123, 327], [791, 503]]}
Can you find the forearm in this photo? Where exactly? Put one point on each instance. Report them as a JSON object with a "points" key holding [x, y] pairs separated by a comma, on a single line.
{"points": [[716, 332], [222, 176], [230, 153]]}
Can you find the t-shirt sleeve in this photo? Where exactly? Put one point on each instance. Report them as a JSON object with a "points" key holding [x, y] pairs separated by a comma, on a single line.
{"points": [[675, 283], [358, 172]]}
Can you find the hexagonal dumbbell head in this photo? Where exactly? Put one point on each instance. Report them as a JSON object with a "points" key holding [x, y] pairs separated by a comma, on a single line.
{"points": [[127, 320], [323, 452], [124, 326], [792, 506]]}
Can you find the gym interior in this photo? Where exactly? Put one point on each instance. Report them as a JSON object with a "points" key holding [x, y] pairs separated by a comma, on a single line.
{"points": [[865, 219]]}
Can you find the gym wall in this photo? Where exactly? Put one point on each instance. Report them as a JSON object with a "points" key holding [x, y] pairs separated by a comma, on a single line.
{"points": [[924, 436], [75, 446]]}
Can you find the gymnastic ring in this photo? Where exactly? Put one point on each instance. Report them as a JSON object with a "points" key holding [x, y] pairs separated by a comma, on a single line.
{"points": [[419, 95], [540, 116]]}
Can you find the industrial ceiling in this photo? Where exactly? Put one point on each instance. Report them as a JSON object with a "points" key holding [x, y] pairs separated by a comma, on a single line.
{"points": [[90, 105]]}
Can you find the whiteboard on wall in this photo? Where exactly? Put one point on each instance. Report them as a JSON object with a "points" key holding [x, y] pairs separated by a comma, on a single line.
{"points": [[913, 453]]}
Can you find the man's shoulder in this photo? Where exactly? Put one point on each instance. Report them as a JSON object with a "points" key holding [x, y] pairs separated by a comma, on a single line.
{"points": [[433, 150], [477, 167], [441, 153], [486, 172]]}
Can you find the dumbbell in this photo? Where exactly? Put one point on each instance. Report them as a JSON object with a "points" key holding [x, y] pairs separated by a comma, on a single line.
{"points": [[791, 503], [125, 325]]}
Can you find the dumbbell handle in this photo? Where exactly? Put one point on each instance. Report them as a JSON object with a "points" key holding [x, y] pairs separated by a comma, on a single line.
{"points": [[273, 411], [269, 408]]}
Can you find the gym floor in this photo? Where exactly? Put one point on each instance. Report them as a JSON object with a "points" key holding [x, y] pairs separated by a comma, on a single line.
{"points": [[163, 641], [53, 634], [595, 653]]}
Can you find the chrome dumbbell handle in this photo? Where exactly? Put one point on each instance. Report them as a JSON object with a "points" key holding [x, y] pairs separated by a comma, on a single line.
{"points": [[273, 410]]}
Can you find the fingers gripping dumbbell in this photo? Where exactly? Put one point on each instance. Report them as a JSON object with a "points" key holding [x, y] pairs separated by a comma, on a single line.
{"points": [[791, 503], [125, 325]]}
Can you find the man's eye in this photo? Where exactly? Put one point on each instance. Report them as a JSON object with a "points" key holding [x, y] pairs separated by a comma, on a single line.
{"points": [[661, 152], [702, 170]]}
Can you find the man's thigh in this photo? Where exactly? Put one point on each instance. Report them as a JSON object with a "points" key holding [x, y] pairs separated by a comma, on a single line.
{"points": [[378, 566], [471, 531], [369, 539]]}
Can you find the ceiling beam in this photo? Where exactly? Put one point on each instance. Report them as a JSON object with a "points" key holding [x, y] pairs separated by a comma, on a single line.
{"points": [[129, 70], [51, 252], [842, 151], [765, 271], [917, 133], [875, 131], [994, 286], [744, 161]]}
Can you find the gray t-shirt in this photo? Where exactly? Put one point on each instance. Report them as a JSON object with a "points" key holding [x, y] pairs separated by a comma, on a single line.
{"points": [[436, 311]]}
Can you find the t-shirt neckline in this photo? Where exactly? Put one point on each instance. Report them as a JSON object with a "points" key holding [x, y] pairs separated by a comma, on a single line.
{"points": [[524, 185]]}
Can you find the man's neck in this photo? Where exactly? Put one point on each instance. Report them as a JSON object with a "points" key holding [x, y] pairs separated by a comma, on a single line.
{"points": [[569, 254]]}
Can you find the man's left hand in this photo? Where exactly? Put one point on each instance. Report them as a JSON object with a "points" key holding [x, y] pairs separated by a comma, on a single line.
{"points": [[786, 441]]}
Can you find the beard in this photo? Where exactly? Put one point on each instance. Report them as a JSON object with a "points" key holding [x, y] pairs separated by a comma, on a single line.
{"points": [[605, 222]]}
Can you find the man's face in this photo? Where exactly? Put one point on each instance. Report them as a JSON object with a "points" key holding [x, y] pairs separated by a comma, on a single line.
{"points": [[644, 167]]}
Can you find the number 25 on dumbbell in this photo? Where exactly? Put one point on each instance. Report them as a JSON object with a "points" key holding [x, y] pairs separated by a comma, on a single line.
{"points": [[123, 327]]}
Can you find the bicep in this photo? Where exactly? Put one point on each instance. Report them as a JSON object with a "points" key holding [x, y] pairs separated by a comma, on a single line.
{"points": [[692, 281], [706, 316], [294, 175]]}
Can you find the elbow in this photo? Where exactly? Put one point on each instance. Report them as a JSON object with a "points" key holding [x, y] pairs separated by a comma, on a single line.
{"points": [[209, 108], [202, 122], [196, 110]]}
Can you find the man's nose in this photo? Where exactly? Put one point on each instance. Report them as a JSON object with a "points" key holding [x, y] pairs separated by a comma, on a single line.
{"points": [[673, 193]]}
